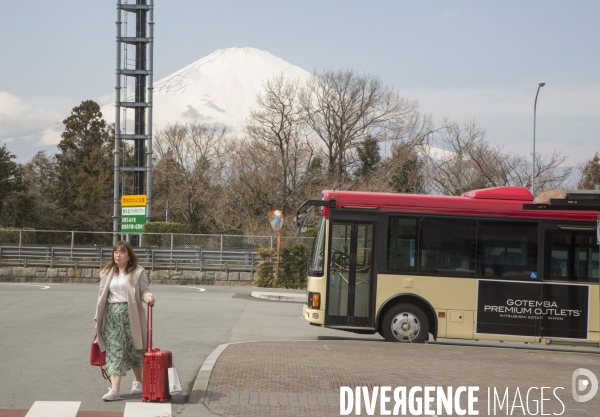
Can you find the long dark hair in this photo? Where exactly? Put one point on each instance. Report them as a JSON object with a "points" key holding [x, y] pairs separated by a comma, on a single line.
{"points": [[133, 259]]}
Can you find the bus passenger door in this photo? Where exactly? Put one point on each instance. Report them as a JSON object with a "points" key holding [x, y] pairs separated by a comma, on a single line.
{"points": [[350, 279], [570, 279]]}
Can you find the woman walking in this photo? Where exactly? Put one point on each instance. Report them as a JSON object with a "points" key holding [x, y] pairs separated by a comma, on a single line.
{"points": [[121, 319]]}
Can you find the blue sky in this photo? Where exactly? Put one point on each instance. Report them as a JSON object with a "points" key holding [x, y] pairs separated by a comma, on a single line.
{"points": [[460, 59]]}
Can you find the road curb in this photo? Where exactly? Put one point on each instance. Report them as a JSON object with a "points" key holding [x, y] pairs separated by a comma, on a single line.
{"points": [[203, 377], [280, 296]]}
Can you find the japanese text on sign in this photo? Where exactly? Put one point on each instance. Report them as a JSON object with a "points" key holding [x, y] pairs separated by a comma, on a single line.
{"points": [[132, 227], [133, 200], [133, 211]]}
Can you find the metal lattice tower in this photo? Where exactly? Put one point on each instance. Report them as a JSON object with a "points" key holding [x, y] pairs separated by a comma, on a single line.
{"points": [[141, 102]]}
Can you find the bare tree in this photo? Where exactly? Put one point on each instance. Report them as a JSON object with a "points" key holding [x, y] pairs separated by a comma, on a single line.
{"points": [[343, 108], [252, 184], [189, 171], [277, 130], [452, 170], [403, 170], [550, 172], [255, 185], [467, 161]]}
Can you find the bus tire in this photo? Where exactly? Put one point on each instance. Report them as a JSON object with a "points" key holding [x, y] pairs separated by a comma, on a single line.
{"points": [[405, 323]]}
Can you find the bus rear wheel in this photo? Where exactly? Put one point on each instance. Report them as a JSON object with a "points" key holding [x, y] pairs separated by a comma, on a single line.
{"points": [[405, 323]]}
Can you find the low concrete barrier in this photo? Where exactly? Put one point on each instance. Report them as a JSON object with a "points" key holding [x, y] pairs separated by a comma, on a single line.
{"points": [[280, 296], [91, 276]]}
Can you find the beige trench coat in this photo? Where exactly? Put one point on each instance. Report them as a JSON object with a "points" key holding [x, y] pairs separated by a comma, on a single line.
{"points": [[137, 295]]}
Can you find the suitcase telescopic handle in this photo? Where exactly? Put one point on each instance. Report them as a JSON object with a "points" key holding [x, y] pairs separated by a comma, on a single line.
{"points": [[149, 328]]}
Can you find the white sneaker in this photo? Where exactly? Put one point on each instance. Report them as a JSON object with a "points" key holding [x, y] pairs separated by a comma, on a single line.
{"points": [[136, 388], [111, 395]]}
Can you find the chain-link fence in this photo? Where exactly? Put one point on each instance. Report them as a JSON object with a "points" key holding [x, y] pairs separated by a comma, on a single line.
{"points": [[53, 249], [216, 242], [56, 238]]}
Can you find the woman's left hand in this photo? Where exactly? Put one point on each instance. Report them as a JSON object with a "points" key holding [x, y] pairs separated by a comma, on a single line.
{"points": [[150, 300]]}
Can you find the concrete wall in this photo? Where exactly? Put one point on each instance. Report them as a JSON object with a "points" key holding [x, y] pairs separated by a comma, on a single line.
{"points": [[90, 276]]}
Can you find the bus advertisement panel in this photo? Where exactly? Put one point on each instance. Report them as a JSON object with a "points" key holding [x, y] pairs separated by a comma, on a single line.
{"points": [[531, 309]]}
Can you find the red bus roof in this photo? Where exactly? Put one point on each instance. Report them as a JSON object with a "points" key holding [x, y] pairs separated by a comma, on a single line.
{"points": [[490, 202]]}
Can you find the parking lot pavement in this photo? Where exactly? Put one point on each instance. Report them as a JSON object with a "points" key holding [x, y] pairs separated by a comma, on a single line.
{"points": [[303, 378]]}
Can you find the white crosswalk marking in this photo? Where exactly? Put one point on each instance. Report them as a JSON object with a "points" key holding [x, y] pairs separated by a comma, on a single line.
{"points": [[54, 409], [147, 410], [70, 409]]}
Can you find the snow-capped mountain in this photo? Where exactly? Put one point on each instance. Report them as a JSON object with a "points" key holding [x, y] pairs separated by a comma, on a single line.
{"points": [[219, 88]]}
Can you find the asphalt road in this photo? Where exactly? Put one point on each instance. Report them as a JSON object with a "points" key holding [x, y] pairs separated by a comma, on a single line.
{"points": [[46, 332]]}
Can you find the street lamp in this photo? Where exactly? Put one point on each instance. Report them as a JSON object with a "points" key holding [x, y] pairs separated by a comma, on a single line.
{"points": [[540, 85]]}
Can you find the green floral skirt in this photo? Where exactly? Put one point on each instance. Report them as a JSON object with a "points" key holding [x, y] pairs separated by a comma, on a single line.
{"points": [[121, 356]]}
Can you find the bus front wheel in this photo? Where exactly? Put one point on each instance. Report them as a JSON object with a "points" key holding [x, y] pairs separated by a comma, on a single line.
{"points": [[405, 323]]}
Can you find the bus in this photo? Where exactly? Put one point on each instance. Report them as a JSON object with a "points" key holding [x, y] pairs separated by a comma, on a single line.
{"points": [[492, 264]]}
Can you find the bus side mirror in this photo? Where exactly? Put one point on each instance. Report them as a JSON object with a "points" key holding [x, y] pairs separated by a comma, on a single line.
{"points": [[299, 219]]}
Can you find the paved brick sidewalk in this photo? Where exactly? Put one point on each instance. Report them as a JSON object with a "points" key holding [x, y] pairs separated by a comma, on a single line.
{"points": [[303, 378]]}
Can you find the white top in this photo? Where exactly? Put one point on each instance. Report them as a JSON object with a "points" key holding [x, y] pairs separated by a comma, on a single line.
{"points": [[117, 292]]}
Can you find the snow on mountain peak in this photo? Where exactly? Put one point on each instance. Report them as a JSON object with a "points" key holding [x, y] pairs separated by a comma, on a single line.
{"points": [[219, 88]]}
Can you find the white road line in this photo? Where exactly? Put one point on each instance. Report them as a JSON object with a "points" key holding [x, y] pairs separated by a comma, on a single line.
{"points": [[147, 410], [54, 409], [193, 288], [44, 287]]}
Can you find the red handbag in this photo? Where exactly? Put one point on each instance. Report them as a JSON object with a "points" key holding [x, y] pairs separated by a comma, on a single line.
{"points": [[98, 358]]}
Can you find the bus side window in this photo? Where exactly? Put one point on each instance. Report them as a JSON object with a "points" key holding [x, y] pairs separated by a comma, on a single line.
{"points": [[508, 249], [447, 246], [401, 245], [573, 256]]}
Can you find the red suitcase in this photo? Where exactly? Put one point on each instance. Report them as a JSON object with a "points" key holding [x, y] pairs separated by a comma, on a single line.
{"points": [[155, 374]]}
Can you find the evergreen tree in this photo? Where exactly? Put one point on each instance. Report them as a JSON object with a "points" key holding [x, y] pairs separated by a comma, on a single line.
{"points": [[368, 154], [14, 203], [591, 174], [41, 177], [84, 169], [405, 170], [11, 174]]}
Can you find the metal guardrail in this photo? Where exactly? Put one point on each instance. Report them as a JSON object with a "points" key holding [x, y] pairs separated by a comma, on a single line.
{"points": [[71, 249], [96, 257]]}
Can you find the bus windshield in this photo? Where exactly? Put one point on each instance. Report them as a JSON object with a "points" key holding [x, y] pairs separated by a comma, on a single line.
{"points": [[316, 263]]}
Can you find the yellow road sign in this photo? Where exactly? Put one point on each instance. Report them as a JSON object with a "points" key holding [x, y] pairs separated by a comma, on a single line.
{"points": [[133, 200]]}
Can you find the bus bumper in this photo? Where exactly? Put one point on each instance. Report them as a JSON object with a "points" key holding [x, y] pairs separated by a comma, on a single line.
{"points": [[313, 316]]}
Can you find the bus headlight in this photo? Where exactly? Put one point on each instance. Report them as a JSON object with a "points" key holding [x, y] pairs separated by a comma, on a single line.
{"points": [[314, 300]]}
